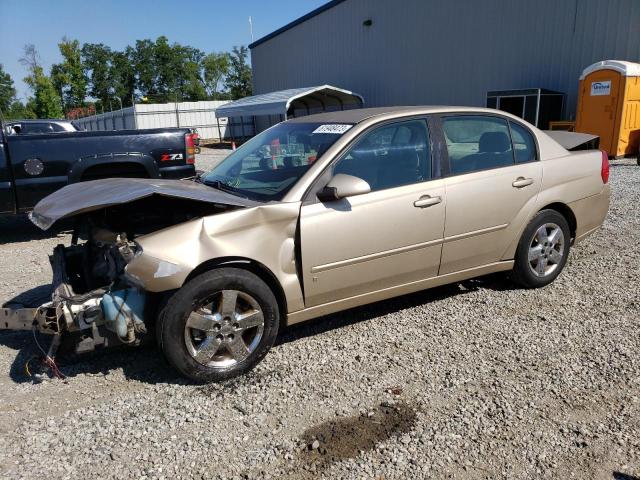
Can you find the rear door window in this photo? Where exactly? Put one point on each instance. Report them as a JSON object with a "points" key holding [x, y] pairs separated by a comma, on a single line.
{"points": [[477, 142]]}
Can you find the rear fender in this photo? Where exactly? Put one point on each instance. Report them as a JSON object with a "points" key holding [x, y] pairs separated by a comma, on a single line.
{"points": [[147, 162]]}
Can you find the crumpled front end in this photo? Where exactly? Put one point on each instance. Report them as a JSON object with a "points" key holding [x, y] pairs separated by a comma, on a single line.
{"points": [[265, 235], [109, 284]]}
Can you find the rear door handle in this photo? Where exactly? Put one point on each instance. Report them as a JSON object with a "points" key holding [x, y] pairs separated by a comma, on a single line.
{"points": [[521, 182], [427, 201]]}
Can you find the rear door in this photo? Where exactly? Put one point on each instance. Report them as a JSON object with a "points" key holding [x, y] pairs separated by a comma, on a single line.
{"points": [[388, 237], [491, 188]]}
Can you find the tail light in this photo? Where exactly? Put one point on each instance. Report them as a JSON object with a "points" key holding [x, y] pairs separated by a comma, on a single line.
{"points": [[604, 170], [191, 140]]}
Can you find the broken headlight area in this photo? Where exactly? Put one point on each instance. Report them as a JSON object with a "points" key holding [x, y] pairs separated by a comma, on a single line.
{"points": [[93, 299]]}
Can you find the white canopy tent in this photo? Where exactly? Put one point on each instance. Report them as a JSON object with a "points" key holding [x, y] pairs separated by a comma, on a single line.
{"points": [[277, 106]]}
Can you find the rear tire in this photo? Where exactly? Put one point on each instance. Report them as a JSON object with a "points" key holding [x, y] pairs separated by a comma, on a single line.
{"points": [[219, 325], [542, 251]]}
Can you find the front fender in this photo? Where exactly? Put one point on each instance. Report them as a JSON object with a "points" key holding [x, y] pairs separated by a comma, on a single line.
{"points": [[264, 234]]}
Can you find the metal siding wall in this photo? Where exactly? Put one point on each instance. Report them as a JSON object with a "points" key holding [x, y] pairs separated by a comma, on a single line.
{"points": [[434, 52], [198, 115]]}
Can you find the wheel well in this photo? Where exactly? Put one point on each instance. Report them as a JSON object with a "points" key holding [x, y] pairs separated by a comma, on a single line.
{"points": [[252, 266], [119, 169], [567, 213]]}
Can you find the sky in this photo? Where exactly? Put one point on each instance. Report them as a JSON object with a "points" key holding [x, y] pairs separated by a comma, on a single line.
{"points": [[213, 25]]}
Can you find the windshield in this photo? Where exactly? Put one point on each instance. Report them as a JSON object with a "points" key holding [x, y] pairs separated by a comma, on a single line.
{"points": [[269, 164]]}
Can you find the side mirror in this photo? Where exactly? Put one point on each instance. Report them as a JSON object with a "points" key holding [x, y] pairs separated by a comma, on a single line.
{"points": [[342, 186]]}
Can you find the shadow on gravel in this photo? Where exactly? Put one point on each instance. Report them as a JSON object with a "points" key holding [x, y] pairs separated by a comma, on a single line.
{"points": [[496, 282], [624, 476], [343, 438], [143, 364], [18, 228], [146, 364]]}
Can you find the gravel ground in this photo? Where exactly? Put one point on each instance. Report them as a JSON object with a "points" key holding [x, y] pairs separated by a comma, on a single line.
{"points": [[473, 380]]}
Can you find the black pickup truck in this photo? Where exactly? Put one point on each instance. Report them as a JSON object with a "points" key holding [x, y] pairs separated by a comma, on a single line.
{"points": [[33, 166]]}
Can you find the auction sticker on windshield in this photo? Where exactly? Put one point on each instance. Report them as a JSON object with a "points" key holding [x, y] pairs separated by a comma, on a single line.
{"points": [[332, 128]]}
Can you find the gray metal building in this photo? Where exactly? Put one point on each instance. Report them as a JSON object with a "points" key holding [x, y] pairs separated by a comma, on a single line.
{"points": [[408, 52]]}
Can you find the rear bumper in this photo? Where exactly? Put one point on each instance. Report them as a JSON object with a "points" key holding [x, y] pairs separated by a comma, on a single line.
{"points": [[177, 172]]}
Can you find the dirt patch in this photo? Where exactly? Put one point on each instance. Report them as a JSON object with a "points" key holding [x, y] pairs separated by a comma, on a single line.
{"points": [[346, 437]]}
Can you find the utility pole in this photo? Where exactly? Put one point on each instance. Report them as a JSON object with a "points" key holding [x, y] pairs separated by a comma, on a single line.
{"points": [[121, 111]]}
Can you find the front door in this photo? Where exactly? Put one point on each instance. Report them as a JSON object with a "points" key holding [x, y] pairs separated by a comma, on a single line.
{"points": [[388, 237], [493, 183]]}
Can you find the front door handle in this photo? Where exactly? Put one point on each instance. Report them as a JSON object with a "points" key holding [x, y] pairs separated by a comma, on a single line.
{"points": [[427, 201], [521, 182]]}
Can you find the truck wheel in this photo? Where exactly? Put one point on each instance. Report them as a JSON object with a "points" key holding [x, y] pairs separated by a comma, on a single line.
{"points": [[219, 325], [542, 251]]}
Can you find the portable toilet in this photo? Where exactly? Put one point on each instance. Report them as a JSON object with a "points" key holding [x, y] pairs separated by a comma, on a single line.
{"points": [[609, 106]]}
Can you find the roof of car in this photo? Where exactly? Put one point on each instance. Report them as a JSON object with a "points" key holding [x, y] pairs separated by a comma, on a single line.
{"points": [[358, 115]]}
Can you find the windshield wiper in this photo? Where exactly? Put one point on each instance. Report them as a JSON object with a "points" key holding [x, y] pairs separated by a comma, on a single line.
{"points": [[223, 187]]}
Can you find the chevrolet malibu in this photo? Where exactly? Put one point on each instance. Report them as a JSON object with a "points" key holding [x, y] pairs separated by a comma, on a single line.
{"points": [[313, 216]]}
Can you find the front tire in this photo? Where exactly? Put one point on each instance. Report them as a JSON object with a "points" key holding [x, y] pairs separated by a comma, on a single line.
{"points": [[542, 251], [219, 325]]}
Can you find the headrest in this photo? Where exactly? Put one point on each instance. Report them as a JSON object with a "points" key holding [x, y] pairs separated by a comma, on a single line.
{"points": [[494, 142]]}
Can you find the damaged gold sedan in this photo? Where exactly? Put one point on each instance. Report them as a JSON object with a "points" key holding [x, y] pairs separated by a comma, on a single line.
{"points": [[315, 215]]}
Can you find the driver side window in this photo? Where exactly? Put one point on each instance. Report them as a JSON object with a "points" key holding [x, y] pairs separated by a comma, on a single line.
{"points": [[390, 156]]}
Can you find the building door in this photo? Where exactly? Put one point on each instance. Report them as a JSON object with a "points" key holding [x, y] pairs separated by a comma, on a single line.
{"points": [[598, 106]]}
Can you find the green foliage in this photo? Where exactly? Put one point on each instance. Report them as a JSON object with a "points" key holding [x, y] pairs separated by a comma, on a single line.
{"points": [[18, 111], [158, 71], [68, 77], [7, 90], [143, 59], [46, 102], [238, 79], [122, 76], [12, 108], [215, 67], [96, 59]]}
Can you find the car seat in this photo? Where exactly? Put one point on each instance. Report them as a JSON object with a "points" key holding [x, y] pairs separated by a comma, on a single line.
{"points": [[401, 166], [494, 150]]}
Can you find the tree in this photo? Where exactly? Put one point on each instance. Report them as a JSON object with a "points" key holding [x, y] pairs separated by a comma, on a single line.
{"points": [[238, 79], [122, 76], [144, 64], [18, 111], [215, 67], [7, 91], [69, 76], [46, 102], [189, 82], [96, 59]]}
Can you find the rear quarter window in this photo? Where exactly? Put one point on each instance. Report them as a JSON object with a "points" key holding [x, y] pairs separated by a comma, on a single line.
{"points": [[524, 146]]}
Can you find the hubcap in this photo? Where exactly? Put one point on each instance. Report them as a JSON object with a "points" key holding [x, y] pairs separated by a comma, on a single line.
{"points": [[546, 249], [224, 329]]}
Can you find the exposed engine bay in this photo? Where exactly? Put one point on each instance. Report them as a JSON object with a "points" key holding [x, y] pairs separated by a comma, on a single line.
{"points": [[94, 304]]}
